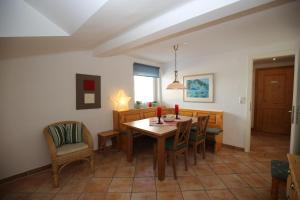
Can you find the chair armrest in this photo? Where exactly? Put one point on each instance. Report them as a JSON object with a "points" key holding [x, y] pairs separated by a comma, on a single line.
{"points": [[51, 145], [87, 137]]}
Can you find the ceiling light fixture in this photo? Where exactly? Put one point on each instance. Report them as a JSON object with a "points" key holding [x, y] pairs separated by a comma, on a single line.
{"points": [[175, 84]]}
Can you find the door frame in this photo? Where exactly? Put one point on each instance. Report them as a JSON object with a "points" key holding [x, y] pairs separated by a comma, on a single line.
{"points": [[291, 51]]}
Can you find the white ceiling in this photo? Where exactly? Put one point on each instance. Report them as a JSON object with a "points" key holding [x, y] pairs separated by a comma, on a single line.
{"points": [[111, 27], [67, 14], [262, 28]]}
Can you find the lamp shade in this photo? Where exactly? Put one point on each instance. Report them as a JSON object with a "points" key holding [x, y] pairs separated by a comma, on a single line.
{"points": [[176, 86]]}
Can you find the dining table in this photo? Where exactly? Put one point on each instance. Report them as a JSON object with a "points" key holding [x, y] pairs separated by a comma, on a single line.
{"points": [[160, 132]]}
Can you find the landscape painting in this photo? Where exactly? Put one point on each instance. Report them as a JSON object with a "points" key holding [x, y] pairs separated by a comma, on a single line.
{"points": [[199, 88]]}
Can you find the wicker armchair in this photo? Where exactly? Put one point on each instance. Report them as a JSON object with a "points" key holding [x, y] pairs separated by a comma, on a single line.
{"points": [[81, 151]]}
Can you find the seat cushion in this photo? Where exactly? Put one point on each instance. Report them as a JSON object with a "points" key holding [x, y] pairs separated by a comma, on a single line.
{"points": [[280, 169], [73, 133], [58, 133], [169, 144], [194, 128], [213, 131], [195, 137], [70, 148]]}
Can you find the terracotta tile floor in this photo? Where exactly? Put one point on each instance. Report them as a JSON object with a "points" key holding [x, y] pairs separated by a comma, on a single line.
{"points": [[229, 174]]}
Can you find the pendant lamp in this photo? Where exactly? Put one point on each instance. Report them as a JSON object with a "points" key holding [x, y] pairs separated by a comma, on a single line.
{"points": [[175, 85]]}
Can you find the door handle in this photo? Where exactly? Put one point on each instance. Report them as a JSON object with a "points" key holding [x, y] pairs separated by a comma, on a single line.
{"points": [[292, 114]]}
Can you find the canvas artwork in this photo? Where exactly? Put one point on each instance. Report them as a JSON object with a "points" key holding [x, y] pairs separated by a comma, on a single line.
{"points": [[88, 90], [199, 88]]}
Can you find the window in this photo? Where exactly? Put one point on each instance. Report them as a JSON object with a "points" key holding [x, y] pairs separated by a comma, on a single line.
{"points": [[144, 89], [145, 82]]}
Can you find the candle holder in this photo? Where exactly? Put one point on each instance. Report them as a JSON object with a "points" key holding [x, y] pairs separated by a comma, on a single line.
{"points": [[159, 122], [177, 116]]}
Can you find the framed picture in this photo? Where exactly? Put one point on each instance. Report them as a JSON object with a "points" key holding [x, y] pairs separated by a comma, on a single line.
{"points": [[199, 88], [88, 91]]}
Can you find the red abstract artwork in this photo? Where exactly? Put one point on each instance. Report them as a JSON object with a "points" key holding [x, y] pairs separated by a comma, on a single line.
{"points": [[89, 85]]}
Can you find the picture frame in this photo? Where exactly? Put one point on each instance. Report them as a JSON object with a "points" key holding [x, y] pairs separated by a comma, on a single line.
{"points": [[88, 91], [199, 88]]}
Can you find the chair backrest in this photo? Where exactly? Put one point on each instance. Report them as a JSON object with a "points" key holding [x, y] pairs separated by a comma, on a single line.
{"points": [[202, 125], [182, 134]]}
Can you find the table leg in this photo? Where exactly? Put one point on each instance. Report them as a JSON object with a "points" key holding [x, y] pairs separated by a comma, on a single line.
{"points": [[129, 145], [161, 158]]}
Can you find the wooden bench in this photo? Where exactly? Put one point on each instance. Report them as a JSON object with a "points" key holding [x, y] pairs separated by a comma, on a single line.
{"points": [[215, 121]]}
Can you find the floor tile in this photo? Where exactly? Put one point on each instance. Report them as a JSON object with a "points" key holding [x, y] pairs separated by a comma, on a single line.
{"points": [[92, 196], [143, 196], [263, 193], [74, 186], [220, 195], [169, 196], [105, 171], [167, 185], [244, 194], [195, 195], [266, 176], [15, 196], [125, 171], [221, 168], [143, 185], [121, 185], [97, 185], [254, 180], [143, 170], [203, 170], [47, 187], [211, 182], [233, 181], [189, 183], [40, 196], [66, 197], [117, 196], [239, 168]]}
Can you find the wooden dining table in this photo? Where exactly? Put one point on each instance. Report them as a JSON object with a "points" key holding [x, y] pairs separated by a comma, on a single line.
{"points": [[158, 131]]}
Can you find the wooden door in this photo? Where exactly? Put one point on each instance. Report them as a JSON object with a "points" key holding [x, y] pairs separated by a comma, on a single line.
{"points": [[273, 99]]}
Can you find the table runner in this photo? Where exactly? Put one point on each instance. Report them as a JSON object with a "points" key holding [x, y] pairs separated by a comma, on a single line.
{"points": [[153, 122]]}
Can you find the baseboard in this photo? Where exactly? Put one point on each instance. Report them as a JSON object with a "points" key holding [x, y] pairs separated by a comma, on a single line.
{"points": [[28, 173], [24, 174], [234, 147]]}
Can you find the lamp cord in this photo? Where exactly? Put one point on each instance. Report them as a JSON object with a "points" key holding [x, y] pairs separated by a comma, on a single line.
{"points": [[175, 47]]}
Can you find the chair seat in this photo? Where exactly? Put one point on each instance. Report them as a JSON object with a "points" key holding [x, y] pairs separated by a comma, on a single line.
{"points": [[195, 137], [70, 148], [213, 131], [194, 128], [279, 169], [170, 142]]}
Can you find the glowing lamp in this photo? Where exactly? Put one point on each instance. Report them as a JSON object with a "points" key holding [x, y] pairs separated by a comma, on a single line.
{"points": [[120, 101]]}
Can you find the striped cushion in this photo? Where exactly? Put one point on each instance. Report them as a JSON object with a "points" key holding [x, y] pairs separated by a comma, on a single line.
{"points": [[73, 133], [58, 133]]}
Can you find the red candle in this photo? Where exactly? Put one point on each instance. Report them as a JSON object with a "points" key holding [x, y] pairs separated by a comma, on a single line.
{"points": [[158, 111], [176, 108]]}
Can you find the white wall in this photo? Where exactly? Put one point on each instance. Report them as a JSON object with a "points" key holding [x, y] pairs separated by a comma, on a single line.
{"points": [[36, 91], [231, 71]]}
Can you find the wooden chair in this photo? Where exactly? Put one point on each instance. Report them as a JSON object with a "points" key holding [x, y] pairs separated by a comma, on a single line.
{"points": [[177, 145], [198, 136], [68, 153]]}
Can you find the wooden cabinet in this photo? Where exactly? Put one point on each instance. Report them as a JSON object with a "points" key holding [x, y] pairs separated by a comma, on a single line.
{"points": [[293, 182]]}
